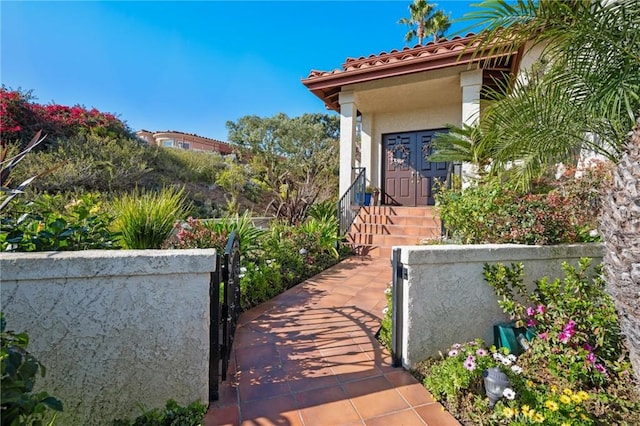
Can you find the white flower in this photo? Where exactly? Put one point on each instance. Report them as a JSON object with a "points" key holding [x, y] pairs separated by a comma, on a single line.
{"points": [[506, 361], [387, 291], [269, 261], [516, 369], [509, 394], [243, 270], [303, 251], [385, 310], [497, 356], [593, 233], [512, 357]]}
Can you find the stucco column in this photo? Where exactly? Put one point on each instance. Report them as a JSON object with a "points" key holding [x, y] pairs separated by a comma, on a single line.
{"points": [[470, 83], [348, 114], [367, 152]]}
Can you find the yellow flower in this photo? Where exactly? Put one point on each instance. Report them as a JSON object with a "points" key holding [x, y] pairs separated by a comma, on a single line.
{"points": [[531, 414], [565, 399], [583, 417], [508, 412], [567, 391], [583, 395], [94, 210], [525, 409], [40, 227], [530, 384], [576, 398], [551, 405], [554, 388], [538, 418], [565, 424]]}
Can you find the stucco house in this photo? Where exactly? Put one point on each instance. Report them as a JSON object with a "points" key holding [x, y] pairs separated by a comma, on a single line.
{"points": [[393, 103], [181, 140]]}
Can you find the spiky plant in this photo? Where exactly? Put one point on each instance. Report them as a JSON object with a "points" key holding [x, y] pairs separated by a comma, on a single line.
{"points": [[620, 227]]}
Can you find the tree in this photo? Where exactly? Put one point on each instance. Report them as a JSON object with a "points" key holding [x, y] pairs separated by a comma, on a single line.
{"points": [[423, 20], [438, 25], [588, 80], [295, 159], [585, 93]]}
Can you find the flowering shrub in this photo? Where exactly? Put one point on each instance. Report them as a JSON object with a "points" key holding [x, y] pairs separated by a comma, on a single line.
{"points": [[461, 368], [575, 372], [259, 282], [20, 118], [574, 344], [561, 211]]}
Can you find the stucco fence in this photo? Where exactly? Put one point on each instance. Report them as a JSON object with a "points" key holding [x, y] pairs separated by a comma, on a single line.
{"points": [[114, 329], [445, 299]]}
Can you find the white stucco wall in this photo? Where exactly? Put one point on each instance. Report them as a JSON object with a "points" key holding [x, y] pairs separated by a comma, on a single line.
{"points": [[446, 299], [113, 328]]}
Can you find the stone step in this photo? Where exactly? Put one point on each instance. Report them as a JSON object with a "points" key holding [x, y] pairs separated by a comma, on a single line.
{"points": [[388, 240], [377, 229], [383, 229], [398, 211], [398, 220]]}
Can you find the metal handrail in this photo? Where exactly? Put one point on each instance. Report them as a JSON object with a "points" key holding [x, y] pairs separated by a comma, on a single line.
{"points": [[354, 196]]}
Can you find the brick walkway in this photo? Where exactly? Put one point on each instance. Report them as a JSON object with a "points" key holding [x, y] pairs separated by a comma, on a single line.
{"points": [[310, 357]]}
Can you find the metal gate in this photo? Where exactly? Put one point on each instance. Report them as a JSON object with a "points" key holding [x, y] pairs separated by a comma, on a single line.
{"points": [[224, 295]]}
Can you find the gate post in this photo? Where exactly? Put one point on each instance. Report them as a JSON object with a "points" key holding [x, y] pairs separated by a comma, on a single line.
{"points": [[396, 308], [214, 330]]}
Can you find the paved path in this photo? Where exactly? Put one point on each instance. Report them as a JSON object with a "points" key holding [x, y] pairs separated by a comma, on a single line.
{"points": [[310, 357]]}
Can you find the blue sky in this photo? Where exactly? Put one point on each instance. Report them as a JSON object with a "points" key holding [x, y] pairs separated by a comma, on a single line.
{"points": [[191, 66]]}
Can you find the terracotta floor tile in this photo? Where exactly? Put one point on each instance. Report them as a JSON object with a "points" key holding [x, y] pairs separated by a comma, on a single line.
{"points": [[282, 410], [310, 357], [400, 418], [377, 403], [225, 416], [435, 415], [257, 356]]}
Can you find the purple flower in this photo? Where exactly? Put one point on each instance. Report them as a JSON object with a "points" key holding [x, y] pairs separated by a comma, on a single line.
{"points": [[540, 309], [482, 352], [587, 347], [591, 358], [543, 336], [570, 326], [530, 311], [564, 337], [456, 346], [453, 352], [531, 322], [469, 364], [601, 368]]}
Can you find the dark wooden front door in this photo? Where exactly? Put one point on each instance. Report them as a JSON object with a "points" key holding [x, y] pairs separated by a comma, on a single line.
{"points": [[407, 174]]}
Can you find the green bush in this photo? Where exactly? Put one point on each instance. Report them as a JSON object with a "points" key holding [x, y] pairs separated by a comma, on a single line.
{"points": [[42, 225], [20, 405], [172, 415], [145, 219], [259, 281], [561, 211]]}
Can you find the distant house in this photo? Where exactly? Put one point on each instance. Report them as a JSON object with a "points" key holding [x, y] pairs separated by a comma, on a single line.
{"points": [[180, 140]]}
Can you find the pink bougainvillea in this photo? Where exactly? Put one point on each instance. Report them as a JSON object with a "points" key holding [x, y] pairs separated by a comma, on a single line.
{"points": [[21, 118]]}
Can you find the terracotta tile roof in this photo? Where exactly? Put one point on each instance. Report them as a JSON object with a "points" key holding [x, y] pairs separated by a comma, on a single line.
{"points": [[458, 50]]}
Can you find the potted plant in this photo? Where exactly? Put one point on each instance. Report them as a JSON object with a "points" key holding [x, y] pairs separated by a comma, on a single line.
{"points": [[371, 191]]}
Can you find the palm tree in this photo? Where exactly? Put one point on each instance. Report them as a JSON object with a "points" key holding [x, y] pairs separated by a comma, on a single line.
{"points": [[620, 227], [419, 15], [584, 94], [437, 25]]}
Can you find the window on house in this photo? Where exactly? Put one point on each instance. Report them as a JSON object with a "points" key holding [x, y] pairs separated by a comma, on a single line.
{"points": [[167, 143]]}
